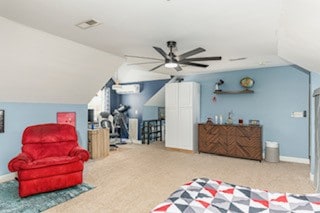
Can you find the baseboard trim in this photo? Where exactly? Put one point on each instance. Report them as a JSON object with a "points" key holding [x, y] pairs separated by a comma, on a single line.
{"points": [[295, 160], [291, 159], [7, 177], [180, 150], [312, 177], [136, 141], [127, 140]]}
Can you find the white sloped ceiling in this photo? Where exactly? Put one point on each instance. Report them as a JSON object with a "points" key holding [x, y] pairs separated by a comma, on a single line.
{"points": [[232, 29], [43, 68], [299, 33]]}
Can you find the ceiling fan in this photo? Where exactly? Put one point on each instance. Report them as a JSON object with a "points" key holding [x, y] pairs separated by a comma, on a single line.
{"points": [[173, 61]]}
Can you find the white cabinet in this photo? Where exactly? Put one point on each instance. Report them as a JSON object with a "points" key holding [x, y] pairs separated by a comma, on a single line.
{"points": [[186, 96], [182, 115], [171, 128], [171, 96]]}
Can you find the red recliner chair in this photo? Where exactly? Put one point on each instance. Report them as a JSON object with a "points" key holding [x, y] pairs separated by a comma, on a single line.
{"points": [[50, 159]]}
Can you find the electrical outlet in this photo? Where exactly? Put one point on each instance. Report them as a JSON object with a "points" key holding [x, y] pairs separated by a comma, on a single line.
{"points": [[297, 114]]}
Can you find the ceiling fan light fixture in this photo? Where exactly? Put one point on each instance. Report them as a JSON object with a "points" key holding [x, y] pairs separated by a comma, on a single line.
{"points": [[171, 65], [176, 62]]}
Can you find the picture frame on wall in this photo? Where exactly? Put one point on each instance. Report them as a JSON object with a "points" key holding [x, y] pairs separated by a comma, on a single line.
{"points": [[1, 121], [66, 118], [161, 113]]}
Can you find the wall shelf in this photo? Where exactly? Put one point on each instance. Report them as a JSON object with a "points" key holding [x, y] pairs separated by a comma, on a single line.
{"points": [[246, 91]]}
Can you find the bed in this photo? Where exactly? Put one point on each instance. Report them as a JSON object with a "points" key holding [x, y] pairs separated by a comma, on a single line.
{"points": [[203, 195]]}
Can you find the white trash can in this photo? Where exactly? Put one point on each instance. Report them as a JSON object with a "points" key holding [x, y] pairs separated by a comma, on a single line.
{"points": [[272, 151]]}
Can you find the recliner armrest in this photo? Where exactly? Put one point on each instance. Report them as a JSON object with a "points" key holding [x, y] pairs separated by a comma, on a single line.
{"points": [[19, 161], [80, 152]]}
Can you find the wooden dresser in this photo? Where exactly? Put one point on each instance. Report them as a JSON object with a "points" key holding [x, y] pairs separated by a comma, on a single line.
{"points": [[243, 141], [98, 143]]}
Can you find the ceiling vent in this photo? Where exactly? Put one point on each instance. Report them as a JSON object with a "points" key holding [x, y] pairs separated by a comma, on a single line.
{"points": [[237, 59], [87, 24]]}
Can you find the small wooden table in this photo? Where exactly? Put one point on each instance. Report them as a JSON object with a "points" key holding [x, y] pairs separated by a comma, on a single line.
{"points": [[98, 143]]}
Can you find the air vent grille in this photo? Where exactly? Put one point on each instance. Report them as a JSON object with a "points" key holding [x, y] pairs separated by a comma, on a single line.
{"points": [[237, 59], [87, 24]]}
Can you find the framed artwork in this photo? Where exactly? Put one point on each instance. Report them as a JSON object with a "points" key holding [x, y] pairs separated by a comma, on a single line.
{"points": [[1, 121], [66, 118], [161, 113]]}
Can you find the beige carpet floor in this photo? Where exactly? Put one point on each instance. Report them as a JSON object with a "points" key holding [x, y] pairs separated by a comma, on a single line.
{"points": [[135, 178]]}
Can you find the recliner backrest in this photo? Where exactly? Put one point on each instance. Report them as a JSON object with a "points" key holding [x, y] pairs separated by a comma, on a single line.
{"points": [[49, 140]]}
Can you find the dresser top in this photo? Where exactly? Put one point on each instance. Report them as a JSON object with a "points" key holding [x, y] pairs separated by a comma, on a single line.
{"points": [[237, 125]]}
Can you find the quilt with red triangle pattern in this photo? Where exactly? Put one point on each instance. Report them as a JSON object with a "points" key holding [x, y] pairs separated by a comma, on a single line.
{"points": [[203, 195]]}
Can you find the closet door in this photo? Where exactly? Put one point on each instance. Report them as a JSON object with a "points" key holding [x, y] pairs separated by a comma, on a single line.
{"points": [[186, 94], [186, 128], [172, 125], [172, 115], [172, 95]]}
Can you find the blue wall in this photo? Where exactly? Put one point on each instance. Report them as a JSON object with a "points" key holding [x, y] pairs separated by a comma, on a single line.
{"points": [[278, 91], [20, 115], [150, 113], [136, 101]]}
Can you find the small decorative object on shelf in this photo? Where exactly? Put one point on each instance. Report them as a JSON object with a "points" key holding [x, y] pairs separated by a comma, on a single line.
{"points": [[220, 119], [247, 82], [216, 119], [240, 121], [254, 122], [209, 120], [220, 82], [229, 119]]}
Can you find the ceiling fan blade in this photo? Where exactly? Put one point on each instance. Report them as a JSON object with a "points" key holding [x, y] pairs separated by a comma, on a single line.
{"points": [[153, 62], [194, 64], [178, 68], [191, 52], [133, 56], [215, 58], [157, 67], [163, 53]]}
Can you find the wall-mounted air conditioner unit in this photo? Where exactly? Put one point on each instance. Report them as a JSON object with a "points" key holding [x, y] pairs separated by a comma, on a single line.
{"points": [[127, 89]]}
